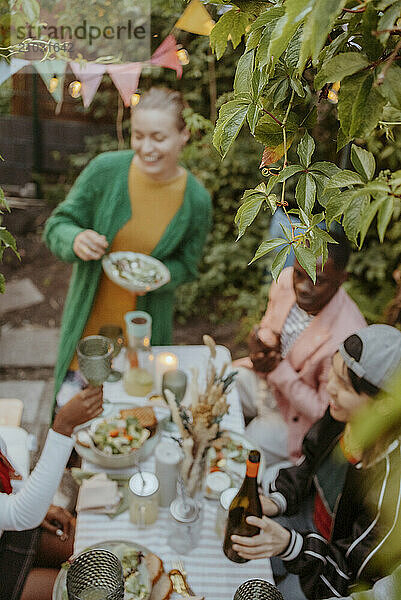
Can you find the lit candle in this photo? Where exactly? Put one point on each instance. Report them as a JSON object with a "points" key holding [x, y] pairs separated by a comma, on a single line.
{"points": [[165, 361]]}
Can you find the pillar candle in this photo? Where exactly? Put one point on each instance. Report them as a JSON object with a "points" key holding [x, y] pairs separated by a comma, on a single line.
{"points": [[165, 361], [168, 459]]}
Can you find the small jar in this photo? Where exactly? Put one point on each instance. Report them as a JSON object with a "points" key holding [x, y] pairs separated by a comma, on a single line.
{"points": [[185, 525], [143, 498], [216, 483], [226, 498]]}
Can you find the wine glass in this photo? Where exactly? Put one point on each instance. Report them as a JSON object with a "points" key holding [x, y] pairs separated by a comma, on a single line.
{"points": [[94, 358], [115, 334], [175, 381]]}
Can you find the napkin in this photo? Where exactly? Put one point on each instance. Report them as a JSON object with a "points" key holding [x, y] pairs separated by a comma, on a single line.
{"points": [[98, 494]]}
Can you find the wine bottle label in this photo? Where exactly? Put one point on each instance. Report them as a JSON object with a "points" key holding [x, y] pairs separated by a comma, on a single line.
{"points": [[251, 468]]}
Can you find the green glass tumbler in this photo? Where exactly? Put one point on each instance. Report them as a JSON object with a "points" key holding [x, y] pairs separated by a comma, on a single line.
{"points": [[115, 334], [94, 358]]}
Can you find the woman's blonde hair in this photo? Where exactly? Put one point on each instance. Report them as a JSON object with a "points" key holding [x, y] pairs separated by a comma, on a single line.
{"points": [[162, 98]]}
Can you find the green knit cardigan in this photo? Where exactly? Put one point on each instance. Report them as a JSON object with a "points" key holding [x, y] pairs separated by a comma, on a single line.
{"points": [[100, 200]]}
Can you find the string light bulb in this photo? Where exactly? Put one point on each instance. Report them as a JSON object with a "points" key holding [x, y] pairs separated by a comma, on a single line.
{"points": [[183, 56], [135, 99], [53, 83], [332, 95], [75, 89]]}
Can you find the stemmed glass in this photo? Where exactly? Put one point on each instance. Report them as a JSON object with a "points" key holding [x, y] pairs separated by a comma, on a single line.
{"points": [[115, 334], [94, 358]]}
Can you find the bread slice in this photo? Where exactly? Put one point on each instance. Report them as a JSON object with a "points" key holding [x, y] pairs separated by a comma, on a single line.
{"points": [[154, 564], [162, 589], [145, 415]]}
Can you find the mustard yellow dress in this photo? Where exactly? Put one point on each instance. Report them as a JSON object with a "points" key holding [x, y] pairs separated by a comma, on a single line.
{"points": [[153, 205]]}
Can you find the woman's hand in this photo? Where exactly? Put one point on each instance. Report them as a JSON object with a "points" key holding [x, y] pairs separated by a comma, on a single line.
{"points": [[59, 521], [272, 540], [82, 407], [90, 245], [269, 508]]}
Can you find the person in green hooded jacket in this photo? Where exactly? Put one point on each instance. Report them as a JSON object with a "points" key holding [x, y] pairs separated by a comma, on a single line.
{"points": [[140, 200]]}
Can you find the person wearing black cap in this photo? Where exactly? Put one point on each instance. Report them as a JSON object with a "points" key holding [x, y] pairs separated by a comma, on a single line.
{"points": [[341, 504]]}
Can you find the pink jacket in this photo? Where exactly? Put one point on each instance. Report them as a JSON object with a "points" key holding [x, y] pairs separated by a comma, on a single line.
{"points": [[299, 381]]}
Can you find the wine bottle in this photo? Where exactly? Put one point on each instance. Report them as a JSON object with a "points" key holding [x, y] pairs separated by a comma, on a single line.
{"points": [[245, 504]]}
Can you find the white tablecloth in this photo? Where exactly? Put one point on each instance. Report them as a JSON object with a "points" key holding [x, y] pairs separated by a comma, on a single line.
{"points": [[210, 573]]}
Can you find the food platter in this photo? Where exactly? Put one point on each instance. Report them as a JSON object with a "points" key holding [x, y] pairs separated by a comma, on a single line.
{"points": [[134, 271], [89, 452], [119, 548], [231, 457]]}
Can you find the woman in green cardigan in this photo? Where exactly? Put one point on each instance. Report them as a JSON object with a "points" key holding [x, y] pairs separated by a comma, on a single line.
{"points": [[140, 200]]}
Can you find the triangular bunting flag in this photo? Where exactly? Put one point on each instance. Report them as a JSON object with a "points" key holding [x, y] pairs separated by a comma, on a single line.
{"points": [[195, 19], [90, 75], [125, 78], [9, 68], [47, 69], [166, 55]]}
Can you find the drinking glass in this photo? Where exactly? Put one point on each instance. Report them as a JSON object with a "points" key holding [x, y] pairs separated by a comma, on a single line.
{"points": [[115, 334], [94, 358], [176, 382]]}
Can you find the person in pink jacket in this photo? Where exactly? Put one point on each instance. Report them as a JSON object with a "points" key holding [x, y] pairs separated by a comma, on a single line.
{"points": [[282, 383]]}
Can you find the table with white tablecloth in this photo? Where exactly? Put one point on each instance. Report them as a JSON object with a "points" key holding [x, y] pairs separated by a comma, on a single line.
{"points": [[210, 573]]}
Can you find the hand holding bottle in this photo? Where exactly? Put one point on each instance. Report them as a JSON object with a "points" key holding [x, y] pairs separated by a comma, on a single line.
{"points": [[269, 508], [272, 540]]}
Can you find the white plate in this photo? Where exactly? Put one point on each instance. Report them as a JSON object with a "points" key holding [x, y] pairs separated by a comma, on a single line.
{"points": [[59, 588], [116, 461], [134, 285], [237, 470]]}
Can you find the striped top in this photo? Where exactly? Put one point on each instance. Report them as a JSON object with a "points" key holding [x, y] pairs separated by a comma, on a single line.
{"points": [[297, 320]]}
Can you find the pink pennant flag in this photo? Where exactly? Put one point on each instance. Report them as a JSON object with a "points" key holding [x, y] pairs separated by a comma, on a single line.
{"points": [[166, 55], [125, 77], [90, 75]]}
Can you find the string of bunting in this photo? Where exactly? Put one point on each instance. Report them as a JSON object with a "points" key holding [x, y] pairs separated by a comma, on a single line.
{"points": [[125, 76]]}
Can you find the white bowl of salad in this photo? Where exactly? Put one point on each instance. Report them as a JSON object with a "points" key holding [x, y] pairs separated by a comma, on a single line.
{"points": [[134, 271]]}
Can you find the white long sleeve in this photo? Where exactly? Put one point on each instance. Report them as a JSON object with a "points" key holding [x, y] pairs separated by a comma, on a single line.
{"points": [[27, 508]]}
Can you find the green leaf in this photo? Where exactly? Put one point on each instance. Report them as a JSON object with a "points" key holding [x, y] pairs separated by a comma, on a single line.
{"points": [[266, 247], [279, 261], [327, 168], [364, 162], [288, 172], [391, 86], [388, 19], [354, 213], [280, 92], [305, 149], [305, 192], [270, 19], [384, 216], [243, 75], [231, 118], [295, 13], [370, 42], [7, 239], [247, 213], [307, 260], [253, 116], [260, 79], [360, 105], [344, 179], [368, 217], [339, 67], [253, 39], [317, 27], [270, 133], [292, 53], [337, 204], [297, 87], [233, 23], [2, 284]]}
